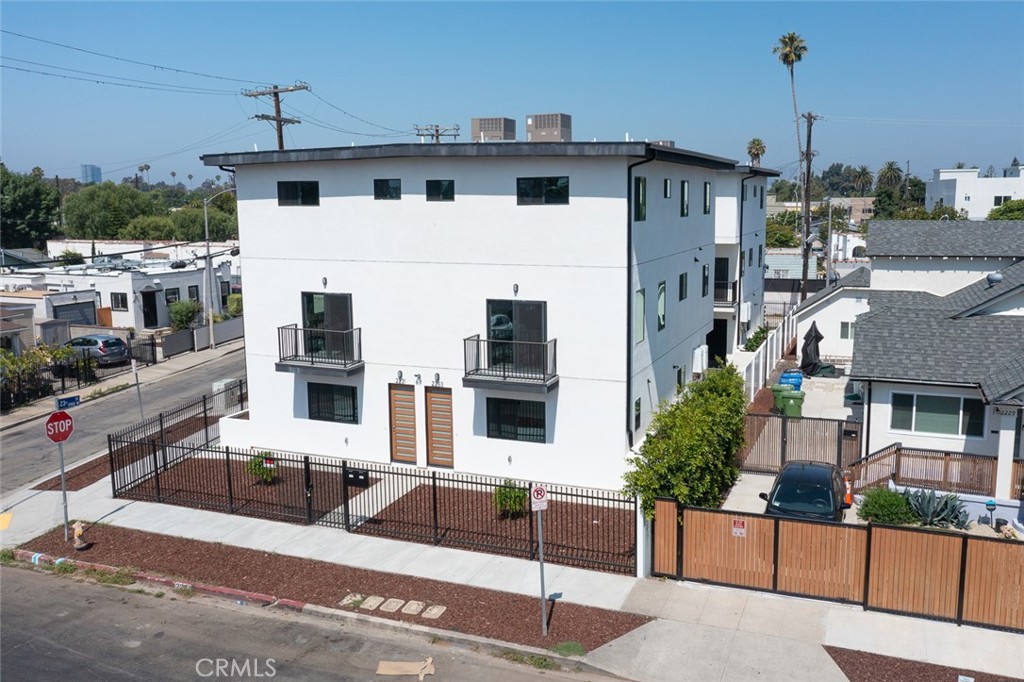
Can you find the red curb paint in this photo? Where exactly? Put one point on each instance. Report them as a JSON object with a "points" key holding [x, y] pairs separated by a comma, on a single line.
{"points": [[232, 593]]}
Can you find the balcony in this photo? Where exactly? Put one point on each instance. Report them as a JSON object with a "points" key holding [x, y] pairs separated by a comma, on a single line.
{"points": [[324, 352], [528, 366], [725, 293]]}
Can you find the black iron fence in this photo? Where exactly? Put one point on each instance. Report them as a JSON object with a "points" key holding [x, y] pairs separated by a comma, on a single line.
{"points": [[20, 387], [725, 291], [587, 528], [507, 359]]}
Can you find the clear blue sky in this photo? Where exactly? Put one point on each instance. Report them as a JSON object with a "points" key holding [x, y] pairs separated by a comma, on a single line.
{"points": [[931, 83]]}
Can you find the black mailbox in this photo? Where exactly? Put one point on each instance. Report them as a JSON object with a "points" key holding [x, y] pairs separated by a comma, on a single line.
{"points": [[360, 478]]}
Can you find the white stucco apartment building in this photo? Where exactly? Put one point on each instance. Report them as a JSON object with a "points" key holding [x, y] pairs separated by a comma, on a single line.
{"points": [[506, 309], [964, 188]]}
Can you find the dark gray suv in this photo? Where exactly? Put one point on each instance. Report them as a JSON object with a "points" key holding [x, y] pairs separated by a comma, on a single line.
{"points": [[807, 490]]}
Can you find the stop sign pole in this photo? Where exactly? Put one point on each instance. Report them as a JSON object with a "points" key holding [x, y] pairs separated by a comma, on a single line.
{"points": [[59, 427]]}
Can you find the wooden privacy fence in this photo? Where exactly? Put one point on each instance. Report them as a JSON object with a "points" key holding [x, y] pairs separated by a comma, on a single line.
{"points": [[954, 472], [772, 440], [910, 571], [1018, 480]]}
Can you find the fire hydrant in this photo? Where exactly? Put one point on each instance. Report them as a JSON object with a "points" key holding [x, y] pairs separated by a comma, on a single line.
{"points": [[80, 543]]}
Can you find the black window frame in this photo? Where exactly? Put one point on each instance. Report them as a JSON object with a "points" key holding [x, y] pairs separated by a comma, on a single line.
{"points": [[118, 296], [661, 311], [298, 192], [668, 188], [507, 419], [684, 285], [707, 198], [329, 394], [542, 190], [193, 292], [639, 199], [387, 188], [440, 190], [705, 280], [684, 198], [172, 295]]}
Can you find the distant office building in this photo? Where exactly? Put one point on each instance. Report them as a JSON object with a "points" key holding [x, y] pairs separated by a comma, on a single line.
{"points": [[493, 129], [91, 174], [549, 128]]}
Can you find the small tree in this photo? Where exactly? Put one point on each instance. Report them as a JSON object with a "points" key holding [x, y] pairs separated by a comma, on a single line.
{"points": [[235, 305], [690, 450], [183, 313], [71, 257], [1010, 210]]}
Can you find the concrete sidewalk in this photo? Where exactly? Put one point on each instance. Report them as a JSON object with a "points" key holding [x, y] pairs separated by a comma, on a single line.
{"points": [[147, 375], [700, 633]]}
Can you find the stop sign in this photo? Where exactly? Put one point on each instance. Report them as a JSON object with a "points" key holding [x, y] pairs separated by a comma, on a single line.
{"points": [[59, 426]]}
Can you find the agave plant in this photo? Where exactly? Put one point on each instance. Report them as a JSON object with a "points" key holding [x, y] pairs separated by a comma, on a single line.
{"points": [[942, 512]]}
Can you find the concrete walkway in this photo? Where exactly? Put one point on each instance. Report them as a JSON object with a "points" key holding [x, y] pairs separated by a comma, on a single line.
{"points": [[700, 633]]}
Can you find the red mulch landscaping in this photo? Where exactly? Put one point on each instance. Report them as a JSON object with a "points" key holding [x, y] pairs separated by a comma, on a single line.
{"points": [[471, 610], [861, 666]]}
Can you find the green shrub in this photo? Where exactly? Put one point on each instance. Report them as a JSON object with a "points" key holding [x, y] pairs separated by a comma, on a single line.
{"points": [[259, 468], [235, 304], [509, 499], [6, 556], [942, 512], [183, 313], [755, 340], [881, 505], [691, 445], [65, 567]]}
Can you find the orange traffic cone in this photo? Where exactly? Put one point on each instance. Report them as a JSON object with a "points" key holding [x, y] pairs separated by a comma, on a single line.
{"points": [[849, 490]]}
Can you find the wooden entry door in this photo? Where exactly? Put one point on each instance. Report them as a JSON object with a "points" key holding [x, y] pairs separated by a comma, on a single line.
{"points": [[402, 400], [440, 443]]}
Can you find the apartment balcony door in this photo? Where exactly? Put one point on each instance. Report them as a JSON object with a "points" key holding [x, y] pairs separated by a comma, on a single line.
{"points": [[514, 322], [330, 312]]}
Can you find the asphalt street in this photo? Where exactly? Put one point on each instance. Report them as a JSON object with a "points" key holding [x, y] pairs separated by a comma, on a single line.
{"points": [[57, 628], [26, 454]]}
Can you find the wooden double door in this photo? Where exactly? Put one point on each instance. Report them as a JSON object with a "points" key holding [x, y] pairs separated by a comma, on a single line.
{"points": [[440, 432]]}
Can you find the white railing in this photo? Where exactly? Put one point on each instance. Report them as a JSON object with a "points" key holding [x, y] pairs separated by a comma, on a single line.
{"points": [[756, 366]]}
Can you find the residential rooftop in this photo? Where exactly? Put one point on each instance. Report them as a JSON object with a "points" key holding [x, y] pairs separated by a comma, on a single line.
{"points": [[946, 238]]}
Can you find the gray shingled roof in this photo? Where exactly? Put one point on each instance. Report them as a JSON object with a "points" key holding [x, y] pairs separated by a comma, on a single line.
{"points": [[967, 238], [919, 337], [858, 279]]}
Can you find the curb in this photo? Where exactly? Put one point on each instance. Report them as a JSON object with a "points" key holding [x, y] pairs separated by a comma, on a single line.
{"points": [[492, 646]]}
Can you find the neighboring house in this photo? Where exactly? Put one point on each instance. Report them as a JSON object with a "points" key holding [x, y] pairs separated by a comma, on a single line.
{"points": [[964, 189], [20, 258], [859, 209], [16, 328], [739, 259], [834, 309], [510, 309], [941, 352], [117, 293]]}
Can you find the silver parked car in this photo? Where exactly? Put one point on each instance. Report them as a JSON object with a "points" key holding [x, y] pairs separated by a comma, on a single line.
{"points": [[105, 349]]}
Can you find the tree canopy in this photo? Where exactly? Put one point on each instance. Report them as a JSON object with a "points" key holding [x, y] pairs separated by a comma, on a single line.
{"points": [[1010, 210], [102, 211], [29, 209]]}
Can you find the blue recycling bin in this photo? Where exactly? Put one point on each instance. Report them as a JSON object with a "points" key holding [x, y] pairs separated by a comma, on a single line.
{"points": [[792, 377]]}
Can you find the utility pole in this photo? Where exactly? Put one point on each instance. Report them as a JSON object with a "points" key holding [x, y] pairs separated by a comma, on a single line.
{"points": [[280, 122], [808, 155], [437, 132]]}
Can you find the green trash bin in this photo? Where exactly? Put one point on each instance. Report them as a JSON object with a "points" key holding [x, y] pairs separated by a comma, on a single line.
{"points": [[778, 390], [793, 403]]}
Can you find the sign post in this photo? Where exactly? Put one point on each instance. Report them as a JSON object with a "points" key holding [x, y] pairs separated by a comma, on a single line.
{"points": [[138, 391], [59, 427], [538, 503]]}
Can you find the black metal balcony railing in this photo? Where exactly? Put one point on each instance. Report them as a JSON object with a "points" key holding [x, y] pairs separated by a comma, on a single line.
{"points": [[531, 361], [320, 346], [725, 292]]}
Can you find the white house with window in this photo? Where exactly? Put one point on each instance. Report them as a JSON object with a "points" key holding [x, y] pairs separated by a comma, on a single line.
{"points": [[966, 189], [941, 352], [508, 309], [834, 310]]}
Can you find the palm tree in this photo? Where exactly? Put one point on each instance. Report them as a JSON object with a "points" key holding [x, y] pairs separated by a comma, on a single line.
{"points": [[190, 181], [890, 175], [791, 49], [862, 179], [960, 164], [755, 150], [173, 176]]}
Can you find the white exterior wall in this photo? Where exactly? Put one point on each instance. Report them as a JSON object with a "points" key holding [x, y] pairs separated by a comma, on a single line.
{"points": [[939, 276], [665, 246], [881, 435], [962, 188], [843, 306]]}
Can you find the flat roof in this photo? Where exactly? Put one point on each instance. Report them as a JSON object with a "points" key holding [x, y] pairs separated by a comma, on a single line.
{"points": [[639, 150]]}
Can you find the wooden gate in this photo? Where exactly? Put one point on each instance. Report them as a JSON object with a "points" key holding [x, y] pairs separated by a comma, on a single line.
{"points": [[440, 439], [402, 400]]}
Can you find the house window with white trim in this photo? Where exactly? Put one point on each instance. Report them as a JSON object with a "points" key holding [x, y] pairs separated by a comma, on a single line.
{"points": [[846, 330], [118, 301], [938, 414]]}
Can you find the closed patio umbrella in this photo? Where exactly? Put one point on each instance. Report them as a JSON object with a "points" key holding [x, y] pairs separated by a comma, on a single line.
{"points": [[810, 358]]}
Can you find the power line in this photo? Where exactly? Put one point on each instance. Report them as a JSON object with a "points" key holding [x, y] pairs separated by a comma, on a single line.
{"points": [[131, 80], [924, 121], [361, 120], [176, 89], [128, 61]]}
